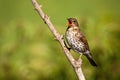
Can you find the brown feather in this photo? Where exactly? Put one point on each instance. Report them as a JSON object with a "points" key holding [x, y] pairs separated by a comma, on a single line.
{"points": [[77, 41]]}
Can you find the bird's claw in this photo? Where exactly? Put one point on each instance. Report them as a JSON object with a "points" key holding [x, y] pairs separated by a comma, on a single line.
{"points": [[62, 36]]}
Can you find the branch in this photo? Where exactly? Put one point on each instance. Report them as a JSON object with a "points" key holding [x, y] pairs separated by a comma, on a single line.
{"points": [[76, 64]]}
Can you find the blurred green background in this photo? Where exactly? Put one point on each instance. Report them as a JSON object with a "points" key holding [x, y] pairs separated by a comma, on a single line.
{"points": [[28, 50]]}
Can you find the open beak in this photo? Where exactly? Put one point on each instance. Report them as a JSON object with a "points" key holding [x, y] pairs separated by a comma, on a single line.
{"points": [[68, 23]]}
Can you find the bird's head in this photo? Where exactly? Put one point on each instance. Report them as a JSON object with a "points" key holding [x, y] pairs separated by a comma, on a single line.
{"points": [[72, 22]]}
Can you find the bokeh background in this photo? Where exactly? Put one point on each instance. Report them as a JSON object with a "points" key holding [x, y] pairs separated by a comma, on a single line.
{"points": [[28, 50]]}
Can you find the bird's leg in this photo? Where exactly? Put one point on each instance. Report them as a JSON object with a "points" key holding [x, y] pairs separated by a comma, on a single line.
{"points": [[66, 44], [80, 55], [79, 61]]}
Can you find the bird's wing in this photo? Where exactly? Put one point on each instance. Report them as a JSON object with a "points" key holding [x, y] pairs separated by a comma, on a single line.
{"points": [[80, 36]]}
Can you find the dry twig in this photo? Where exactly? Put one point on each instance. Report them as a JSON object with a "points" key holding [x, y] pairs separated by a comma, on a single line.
{"points": [[76, 64]]}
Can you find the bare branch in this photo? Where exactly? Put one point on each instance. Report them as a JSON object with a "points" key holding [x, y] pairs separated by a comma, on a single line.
{"points": [[76, 64]]}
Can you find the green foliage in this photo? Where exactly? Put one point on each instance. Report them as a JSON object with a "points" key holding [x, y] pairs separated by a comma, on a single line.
{"points": [[28, 50]]}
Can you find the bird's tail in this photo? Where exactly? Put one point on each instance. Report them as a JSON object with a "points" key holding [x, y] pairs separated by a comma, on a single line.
{"points": [[89, 57]]}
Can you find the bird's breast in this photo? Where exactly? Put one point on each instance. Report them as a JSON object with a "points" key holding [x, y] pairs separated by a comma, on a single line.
{"points": [[73, 41]]}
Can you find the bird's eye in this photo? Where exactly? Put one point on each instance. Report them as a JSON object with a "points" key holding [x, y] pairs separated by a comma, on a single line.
{"points": [[74, 21]]}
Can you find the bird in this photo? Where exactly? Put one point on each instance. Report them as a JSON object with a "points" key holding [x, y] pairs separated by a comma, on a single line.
{"points": [[77, 41]]}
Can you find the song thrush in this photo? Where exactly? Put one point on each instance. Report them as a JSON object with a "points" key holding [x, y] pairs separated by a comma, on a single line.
{"points": [[77, 41]]}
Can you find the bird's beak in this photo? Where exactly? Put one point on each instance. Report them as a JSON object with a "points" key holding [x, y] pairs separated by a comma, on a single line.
{"points": [[68, 23]]}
